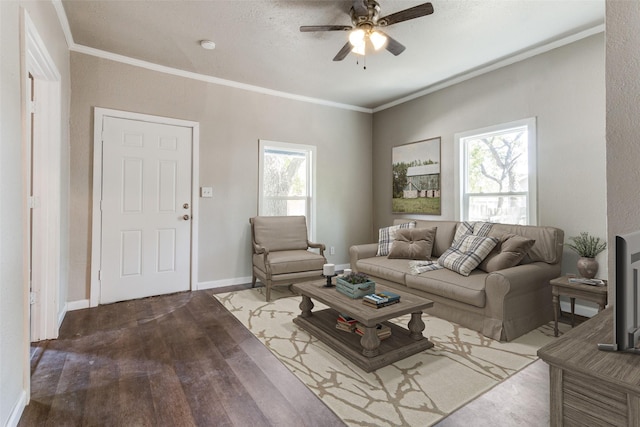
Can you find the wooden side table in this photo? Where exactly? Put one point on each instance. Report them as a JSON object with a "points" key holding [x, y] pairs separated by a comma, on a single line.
{"points": [[562, 286]]}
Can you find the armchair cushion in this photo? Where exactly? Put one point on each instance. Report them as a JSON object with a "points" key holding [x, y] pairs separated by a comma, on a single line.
{"points": [[290, 261], [280, 233]]}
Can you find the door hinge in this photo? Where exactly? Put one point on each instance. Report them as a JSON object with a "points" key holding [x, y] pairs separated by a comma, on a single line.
{"points": [[99, 274], [32, 298], [32, 106]]}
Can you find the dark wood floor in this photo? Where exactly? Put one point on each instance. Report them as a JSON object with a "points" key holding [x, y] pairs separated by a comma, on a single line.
{"points": [[176, 360], [182, 360]]}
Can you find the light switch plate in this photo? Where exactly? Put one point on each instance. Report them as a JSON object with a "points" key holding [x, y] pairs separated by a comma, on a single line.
{"points": [[206, 191]]}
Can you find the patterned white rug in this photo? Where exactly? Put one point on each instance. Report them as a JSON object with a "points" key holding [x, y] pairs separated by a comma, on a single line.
{"points": [[417, 391]]}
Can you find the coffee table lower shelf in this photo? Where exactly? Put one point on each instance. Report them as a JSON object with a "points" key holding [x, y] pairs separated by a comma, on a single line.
{"points": [[322, 324]]}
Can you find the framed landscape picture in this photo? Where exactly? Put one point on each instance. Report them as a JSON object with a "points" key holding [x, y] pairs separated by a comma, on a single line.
{"points": [[416, 177]]}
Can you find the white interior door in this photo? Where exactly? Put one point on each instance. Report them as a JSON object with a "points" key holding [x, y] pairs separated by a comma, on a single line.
{"points": [[146, 209]]}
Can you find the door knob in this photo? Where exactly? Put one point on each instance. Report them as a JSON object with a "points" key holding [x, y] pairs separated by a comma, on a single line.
{"points": [[185, 206], [186, 217]]}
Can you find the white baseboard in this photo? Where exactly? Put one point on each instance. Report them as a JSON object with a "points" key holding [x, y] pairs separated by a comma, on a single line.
{"points": [[241, 280], [583, 308], [77, 305], [17, 410], [222, 283], [62, 314], [80, 304]]}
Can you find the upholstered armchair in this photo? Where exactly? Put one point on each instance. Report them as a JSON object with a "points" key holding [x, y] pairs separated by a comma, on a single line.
{"points": [[280, 251]]}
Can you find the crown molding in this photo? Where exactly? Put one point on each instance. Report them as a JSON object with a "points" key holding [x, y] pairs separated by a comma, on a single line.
{"points": [[487, 68]]}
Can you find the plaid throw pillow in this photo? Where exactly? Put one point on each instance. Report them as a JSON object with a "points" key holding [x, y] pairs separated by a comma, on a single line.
{"points": [[463, 228], [467, 253], [476, 228], [482, 228], [387, 235]]}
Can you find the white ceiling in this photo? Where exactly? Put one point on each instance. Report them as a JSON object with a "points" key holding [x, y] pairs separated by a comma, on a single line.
{"points": [[258, 43]]}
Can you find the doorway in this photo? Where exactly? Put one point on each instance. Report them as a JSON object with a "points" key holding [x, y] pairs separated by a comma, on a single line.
{"points": [[42, 150], [145, 200]]}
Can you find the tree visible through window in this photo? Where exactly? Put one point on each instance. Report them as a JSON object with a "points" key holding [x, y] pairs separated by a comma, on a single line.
{"points": [[286, 180], [498, 174]]}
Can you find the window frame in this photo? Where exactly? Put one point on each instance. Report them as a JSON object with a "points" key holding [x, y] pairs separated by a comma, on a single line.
{"points": [[309, 152], [462, 195]]}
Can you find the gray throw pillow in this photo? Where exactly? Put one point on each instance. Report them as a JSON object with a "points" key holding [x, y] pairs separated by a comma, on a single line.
{"points": [[509, 251], [387, 235], [413, 243]]}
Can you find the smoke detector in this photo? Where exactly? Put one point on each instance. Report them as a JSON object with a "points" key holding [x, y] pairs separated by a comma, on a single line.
{"points": [[207, 44]]}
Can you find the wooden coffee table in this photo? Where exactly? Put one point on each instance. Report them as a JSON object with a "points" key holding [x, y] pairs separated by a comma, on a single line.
{"points": [[366, 352]]}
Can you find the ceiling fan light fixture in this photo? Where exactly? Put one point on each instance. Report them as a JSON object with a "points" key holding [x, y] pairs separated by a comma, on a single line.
{"points": [[378, 40], [359, 49], [356, 38]]}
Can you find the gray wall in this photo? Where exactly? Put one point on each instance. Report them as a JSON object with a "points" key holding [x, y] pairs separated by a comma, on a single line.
{"points": [[231, 123], [564, 88], [623, 121], [14, 325], [12, 341]]}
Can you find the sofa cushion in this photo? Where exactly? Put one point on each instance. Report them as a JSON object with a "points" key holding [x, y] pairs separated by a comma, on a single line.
{"points": [[449, 284], [509, 251], [467, 253], [290, 261], [413, 243], [387, 235], [444, 235], [548, 246], [393, 270]]}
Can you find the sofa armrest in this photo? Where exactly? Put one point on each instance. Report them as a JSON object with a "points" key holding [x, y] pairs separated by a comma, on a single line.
{"points": [[320, 246], [517, 281], [357, 252]]}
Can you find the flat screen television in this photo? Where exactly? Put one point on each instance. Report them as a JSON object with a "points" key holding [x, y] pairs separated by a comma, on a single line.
{"points": [[626, 321]]}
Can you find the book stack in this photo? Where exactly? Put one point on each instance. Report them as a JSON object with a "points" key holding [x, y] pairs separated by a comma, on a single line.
{"points": [[346, 323], [384, 331], [381, 299], [592, 282]]}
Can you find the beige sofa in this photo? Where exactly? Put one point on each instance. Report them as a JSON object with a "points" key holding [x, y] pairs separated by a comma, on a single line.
{"points": [[502, 305]]}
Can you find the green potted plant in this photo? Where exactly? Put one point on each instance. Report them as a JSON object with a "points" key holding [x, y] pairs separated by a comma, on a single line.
{"points": [[588, 247], [355, 278], [355, 285]]}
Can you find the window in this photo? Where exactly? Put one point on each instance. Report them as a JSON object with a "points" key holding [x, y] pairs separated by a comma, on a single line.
{"points": [[287, 181], [496, 177]]}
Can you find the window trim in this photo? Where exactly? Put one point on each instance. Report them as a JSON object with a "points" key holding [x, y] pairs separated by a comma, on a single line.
{"points": [[532, 154], [310, 153]]}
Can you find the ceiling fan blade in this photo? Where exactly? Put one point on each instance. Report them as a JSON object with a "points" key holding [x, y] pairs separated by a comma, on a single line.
{"points": [[310, 28], [343, 52], [393, 45], [405, 15]]}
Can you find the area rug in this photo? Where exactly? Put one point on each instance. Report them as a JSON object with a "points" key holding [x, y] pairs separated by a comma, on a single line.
{"points": [[417, 391]]}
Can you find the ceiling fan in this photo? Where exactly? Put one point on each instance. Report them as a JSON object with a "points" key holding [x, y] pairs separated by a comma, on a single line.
{"points": [[366, 24]]}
